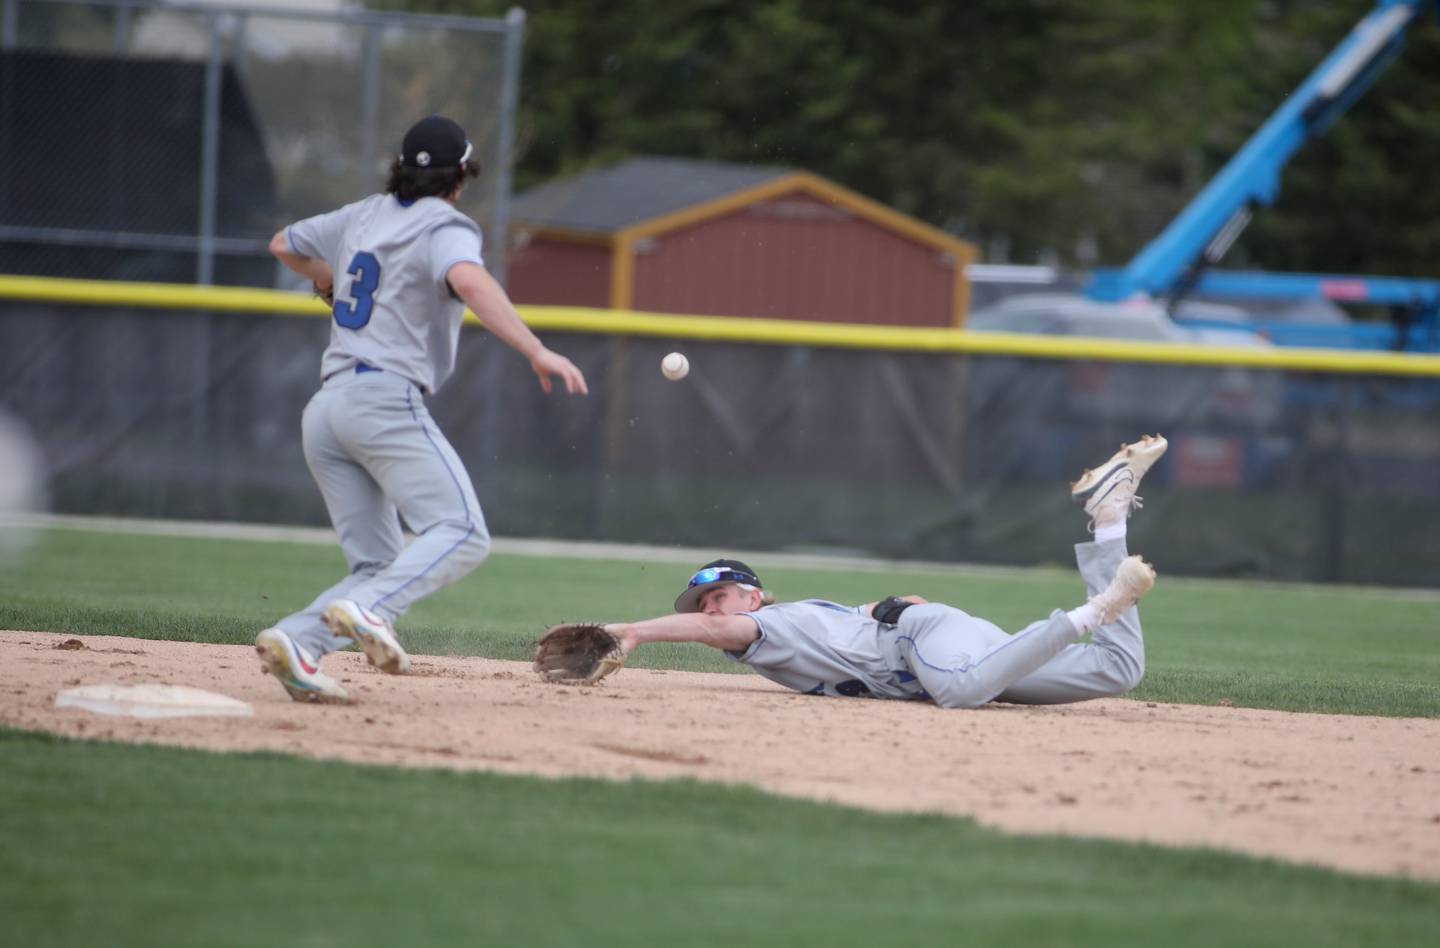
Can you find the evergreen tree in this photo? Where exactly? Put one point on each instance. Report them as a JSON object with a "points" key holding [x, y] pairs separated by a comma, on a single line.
{"points": [[1064, 130]]}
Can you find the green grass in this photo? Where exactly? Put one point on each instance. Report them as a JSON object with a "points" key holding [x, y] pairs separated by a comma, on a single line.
{"points": [[1345, 650], [122, 845], [117, 845]]}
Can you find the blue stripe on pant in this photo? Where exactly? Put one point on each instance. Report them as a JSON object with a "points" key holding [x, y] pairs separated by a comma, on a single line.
{"points": [[378, 456]]}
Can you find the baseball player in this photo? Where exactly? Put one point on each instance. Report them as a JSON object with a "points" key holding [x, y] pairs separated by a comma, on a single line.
{"points": [[905, 647], [401, 267]]}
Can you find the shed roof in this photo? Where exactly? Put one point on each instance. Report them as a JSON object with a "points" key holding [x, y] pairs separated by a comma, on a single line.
{"points": [[611, 199]]}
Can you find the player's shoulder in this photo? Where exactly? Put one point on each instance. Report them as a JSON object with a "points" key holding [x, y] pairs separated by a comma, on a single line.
{"points": [[822, 605], [437, 212], [817, 608], [356, 212], [340, 215], [367, 203]]}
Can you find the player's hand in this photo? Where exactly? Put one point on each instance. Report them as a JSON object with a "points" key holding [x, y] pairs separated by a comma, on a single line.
{"points": [[869, 607], [626, 634], [548, 363]]}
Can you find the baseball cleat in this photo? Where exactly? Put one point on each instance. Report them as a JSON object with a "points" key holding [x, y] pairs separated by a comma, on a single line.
{"points": [[1108, 491], [1132, 580], [373, 634], [296, 669]]}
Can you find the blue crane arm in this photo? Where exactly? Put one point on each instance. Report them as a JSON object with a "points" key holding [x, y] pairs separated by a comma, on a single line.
{"points": [[1209, 224], [1389, 291], [1414, 307]]}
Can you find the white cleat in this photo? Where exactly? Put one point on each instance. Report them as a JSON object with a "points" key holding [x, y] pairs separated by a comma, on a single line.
{"points": [[373, 634], [297, 669], [1132, 580], [1108, 491]]}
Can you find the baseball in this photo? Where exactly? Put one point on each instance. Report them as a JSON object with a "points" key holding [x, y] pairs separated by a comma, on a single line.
{"points": [[675, 366]]}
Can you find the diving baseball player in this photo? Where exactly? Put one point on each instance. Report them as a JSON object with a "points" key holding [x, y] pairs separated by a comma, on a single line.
{"points": [[401, 266], [905, 647]]}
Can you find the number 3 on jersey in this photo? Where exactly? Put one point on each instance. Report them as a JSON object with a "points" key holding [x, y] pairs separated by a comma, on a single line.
{"points": [[366, 272]]}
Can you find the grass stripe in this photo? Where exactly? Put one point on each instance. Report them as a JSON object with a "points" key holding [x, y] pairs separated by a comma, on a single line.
{"points": [[1308, 648], [118, 845]]}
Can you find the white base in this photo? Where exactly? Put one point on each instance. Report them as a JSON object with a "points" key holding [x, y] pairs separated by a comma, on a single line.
{"points": [[152, 701]]}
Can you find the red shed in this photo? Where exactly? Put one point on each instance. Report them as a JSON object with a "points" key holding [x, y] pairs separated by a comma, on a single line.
{"points": [[675, 235]]}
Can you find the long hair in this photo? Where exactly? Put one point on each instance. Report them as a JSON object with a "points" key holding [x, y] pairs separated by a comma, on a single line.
{"points": [[410, 184], [767, 598]]}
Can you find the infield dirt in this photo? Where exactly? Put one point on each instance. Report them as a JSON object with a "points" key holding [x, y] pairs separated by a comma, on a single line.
{"points": [[1353, 793]]}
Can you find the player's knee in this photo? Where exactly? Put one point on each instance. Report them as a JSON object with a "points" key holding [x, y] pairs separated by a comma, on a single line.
{"points": [[963, 702], [1126, 670], [1130, 674], [1119, 679], [1118, 667], [474, 547], [960, 694]]}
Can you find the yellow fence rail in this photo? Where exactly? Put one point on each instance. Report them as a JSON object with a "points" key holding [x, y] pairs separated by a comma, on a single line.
{"points": [[746, 330]]}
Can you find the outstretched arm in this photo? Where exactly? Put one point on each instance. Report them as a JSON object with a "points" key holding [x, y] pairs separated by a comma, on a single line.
{"points": [[487, 300], [731, 633]]}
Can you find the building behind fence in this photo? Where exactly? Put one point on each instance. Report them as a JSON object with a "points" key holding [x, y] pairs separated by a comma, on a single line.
{"points": [[167, 141]]}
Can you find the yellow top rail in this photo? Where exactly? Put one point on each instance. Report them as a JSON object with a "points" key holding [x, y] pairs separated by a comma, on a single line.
{"points": [[747, 330]]}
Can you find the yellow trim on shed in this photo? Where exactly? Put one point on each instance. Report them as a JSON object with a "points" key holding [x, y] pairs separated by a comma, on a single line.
{"points": [[815, 186], [622, 287], [960, 294], [622, 272]]}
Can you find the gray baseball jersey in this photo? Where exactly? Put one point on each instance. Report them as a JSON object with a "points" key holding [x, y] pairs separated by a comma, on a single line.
{"points": [[942, 654], [821, 647], [393, 308]]}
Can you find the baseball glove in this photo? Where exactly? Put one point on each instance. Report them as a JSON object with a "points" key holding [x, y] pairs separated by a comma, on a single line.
{"points": [[327, 294], [578, 653]]}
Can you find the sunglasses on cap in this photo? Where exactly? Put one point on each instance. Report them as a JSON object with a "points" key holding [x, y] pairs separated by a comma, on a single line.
{"points": [[723, 574]]}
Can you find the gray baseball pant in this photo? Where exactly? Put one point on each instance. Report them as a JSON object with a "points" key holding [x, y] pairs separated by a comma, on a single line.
{"points": [[964, 662], [377, 455]]}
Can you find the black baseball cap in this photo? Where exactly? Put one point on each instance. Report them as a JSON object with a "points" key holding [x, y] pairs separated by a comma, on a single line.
{"points": [[435, 142], [712, 574]]}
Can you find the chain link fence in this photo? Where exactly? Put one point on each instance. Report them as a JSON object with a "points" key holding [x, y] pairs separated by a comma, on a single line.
{"points": [[965, 457], [142, 140]]}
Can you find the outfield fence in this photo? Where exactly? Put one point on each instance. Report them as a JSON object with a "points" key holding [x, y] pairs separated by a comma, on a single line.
{"points": [[184, 402]]}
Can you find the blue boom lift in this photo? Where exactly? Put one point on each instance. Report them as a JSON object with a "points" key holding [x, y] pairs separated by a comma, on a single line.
{"points": [[1414, 307], [1174, 264]]}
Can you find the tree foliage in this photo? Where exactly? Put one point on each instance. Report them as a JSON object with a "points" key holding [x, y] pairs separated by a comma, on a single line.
{"points": [[1064, 130]]}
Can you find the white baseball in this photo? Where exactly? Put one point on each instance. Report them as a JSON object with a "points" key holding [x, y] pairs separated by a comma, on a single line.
{"points": [[675, 366]]}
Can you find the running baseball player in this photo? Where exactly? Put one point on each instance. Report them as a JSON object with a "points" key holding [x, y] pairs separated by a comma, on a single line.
{"points": [[401, 267], [905, 647]]}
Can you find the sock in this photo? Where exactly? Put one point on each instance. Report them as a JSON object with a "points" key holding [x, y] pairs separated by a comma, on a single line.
{"points": [[1084, 618], [1111, 531]]}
